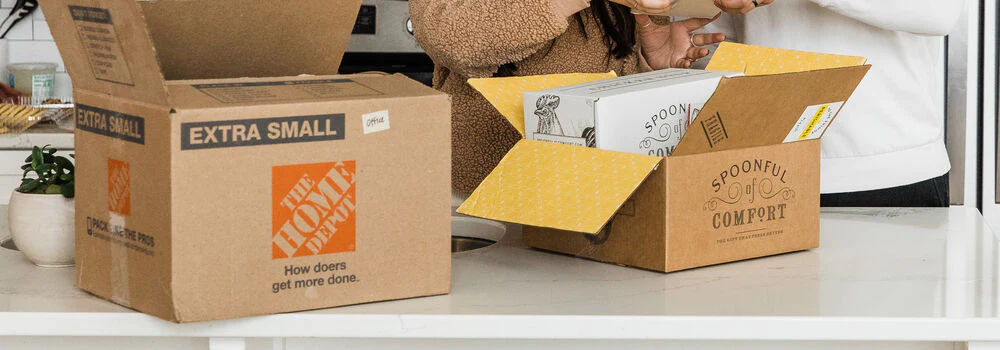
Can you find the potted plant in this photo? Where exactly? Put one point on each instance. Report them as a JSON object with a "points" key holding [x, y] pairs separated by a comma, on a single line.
{"points": [[40, 214]]}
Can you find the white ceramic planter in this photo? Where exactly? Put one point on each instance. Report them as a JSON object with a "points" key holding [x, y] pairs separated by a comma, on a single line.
{"points": [[42, 228]]}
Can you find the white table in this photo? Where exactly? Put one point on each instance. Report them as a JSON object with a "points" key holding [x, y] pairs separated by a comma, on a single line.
{"points": [[895, 278]]}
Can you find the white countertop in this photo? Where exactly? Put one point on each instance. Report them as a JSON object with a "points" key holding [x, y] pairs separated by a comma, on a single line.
{"points": [[39, 135], [893, 274]]}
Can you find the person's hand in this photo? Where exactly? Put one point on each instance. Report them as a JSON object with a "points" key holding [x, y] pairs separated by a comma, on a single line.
{"points": [[8, 94], [674, 45], [649, 7], [740, 6]]}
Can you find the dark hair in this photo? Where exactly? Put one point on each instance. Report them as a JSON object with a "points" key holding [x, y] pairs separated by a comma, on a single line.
{"points": [[618, 24]]}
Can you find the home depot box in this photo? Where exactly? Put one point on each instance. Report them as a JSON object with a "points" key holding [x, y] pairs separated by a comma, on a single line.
{"points": [[742, 183], [204, 195], [643, 113]]}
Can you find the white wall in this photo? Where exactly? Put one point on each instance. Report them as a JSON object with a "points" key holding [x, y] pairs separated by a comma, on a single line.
{"points": [[31, 41]]}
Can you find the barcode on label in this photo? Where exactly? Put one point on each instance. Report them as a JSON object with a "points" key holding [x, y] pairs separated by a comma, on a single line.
{"points": [[813, 122]]}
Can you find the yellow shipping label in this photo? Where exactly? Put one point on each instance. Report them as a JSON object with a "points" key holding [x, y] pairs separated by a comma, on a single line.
{"points": [[814, 121]]}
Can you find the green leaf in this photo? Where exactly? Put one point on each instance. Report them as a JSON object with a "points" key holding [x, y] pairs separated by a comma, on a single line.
{"points": [[53, 189], [53, 151], [44, 169], [28, 187], [48, 158], [68, 190], [64, 163], [28, 159], [36, 157], [26, 167], [66, 177]]}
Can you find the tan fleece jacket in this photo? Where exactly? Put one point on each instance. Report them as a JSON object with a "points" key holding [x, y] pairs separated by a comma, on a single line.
{"points": [[473, 38]]}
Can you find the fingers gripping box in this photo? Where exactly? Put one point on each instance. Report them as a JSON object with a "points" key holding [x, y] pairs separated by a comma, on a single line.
{"points": [[214, 182], [743, 182]]}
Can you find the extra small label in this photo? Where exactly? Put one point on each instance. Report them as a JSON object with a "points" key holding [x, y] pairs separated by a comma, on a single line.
{"points": [[375, 121], [264, 131], [111, 124], [813, 122]]}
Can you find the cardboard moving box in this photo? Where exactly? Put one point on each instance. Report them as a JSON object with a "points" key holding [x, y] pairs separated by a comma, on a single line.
{"points": [[203, 194], [742, 183]]}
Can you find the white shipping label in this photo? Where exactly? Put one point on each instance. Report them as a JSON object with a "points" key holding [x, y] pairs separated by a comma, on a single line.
{"points": [[375, 121], [813, 122]]}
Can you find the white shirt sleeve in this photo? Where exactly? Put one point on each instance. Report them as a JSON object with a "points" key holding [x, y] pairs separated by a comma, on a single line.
{"points": [[724, 24], [914, 16]]}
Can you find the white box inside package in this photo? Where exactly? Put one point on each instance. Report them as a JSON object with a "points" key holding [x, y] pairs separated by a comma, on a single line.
{"points": [[644, 113]]}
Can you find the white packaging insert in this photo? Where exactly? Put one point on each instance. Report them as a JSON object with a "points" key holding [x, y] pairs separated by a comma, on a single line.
{"points": [[645, 113]]}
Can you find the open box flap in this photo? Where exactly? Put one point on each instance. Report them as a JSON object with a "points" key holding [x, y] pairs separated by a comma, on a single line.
{"points": [[766, 110], [238, 38], [507, 94], [758, 60], [107, 48], [559, 186]]}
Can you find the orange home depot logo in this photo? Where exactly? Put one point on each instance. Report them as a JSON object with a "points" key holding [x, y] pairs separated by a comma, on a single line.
{"points": [[312, 209], [119, 194]]}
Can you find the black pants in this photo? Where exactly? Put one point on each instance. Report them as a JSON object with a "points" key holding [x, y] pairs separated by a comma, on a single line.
{"points": [[930, 193]]}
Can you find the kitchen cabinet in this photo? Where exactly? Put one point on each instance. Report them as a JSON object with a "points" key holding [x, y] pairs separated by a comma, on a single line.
{"points": [[882, 279]]}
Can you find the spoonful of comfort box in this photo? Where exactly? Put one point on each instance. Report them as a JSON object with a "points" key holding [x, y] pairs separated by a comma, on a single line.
{"points": [[644, 113]]}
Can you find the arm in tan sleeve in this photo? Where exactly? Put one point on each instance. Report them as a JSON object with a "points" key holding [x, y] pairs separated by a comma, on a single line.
{"points": [[475, 37]]}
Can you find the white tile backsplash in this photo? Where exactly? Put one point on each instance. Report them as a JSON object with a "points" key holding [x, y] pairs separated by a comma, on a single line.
{"points": [[31, 41], [41, 30], [38, 15], [23, 30], [35, 51]]}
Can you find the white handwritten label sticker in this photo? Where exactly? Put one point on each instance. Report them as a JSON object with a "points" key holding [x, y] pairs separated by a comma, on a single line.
{"points": [[375, 121], [813, 122]]}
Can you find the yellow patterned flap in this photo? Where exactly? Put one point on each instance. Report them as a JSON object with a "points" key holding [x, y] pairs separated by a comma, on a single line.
{"points": [[559, 186], [759, 60], [507, 94]]}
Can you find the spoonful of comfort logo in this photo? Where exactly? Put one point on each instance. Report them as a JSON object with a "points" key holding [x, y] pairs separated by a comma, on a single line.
{"points": [[748, 192], [313, 209]]}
